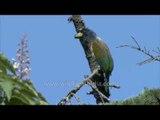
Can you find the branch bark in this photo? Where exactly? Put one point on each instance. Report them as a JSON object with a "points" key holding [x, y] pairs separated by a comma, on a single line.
{"points": [[76, 88], [93, 85]]}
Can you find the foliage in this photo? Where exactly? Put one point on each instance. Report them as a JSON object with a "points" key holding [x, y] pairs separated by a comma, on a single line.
{"points": [[17, 91], [5, 65], [146, 97]]}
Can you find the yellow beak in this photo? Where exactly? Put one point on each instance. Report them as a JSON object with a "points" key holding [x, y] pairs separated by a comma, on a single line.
{"points": [[78, 35]]}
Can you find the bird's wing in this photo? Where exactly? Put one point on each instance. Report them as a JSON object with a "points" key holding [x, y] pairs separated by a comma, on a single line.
{"points": [[103, 55]]}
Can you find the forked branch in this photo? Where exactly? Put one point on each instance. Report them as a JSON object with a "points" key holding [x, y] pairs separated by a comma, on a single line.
{"points": [[144, 51]]}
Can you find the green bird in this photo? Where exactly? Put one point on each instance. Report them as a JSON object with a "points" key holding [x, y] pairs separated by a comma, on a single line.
{"points": [[101, 52]]}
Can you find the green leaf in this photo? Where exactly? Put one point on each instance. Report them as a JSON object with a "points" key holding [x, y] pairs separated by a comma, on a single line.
{"points": [[42, 103], [22, 91], [24, 98], [6, 85], [2, 96], [6, 64], [146, 97], [2, 69], [17, 91]]}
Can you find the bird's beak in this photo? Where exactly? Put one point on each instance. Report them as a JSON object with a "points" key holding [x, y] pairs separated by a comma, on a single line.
{"points": [[78, 35]]}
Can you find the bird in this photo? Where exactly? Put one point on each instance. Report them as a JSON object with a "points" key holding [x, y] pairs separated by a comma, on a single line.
{"points": [[100, 51]]}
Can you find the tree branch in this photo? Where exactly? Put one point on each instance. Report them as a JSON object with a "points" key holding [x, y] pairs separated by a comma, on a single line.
{"points": [[77, 99], [114, 86], [76, 88], [93, 85], [144, 51]]}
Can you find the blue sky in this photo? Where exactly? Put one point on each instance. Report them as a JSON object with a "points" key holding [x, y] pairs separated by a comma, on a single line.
{"points": [[57, 59]]}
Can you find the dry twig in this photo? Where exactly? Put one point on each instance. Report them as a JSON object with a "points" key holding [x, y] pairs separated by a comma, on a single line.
{"points": [[144, 51], [76, 88]]}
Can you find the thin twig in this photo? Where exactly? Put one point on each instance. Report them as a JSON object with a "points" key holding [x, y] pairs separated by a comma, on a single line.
{"points": [[76, 88], [114, 86], [77, 99], [158, 52], [94, 87], [136, 42], [69, 102], [145, 61], [92, 84], [144, 51]]}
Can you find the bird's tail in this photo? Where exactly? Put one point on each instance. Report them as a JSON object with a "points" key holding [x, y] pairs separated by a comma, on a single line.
{"points": [[104, 89], [106, 86]]}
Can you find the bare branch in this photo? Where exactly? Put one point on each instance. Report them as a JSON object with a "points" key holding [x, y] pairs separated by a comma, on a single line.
{"points": [[76, 88], [114, 86], [144, 51], [77, 99], [69, 102], [146, 61], [158, 52], [136, 42], [92, 84]]}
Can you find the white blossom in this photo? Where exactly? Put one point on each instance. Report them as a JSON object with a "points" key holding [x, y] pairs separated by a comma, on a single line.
{"points": [[16, 65]]}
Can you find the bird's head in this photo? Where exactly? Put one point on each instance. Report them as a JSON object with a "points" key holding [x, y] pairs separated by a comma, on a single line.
{"points": [[86, 34]]}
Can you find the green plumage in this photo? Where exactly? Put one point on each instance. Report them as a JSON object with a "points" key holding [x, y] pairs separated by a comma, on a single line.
{"points": [[103, 56], [101, 52]]}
